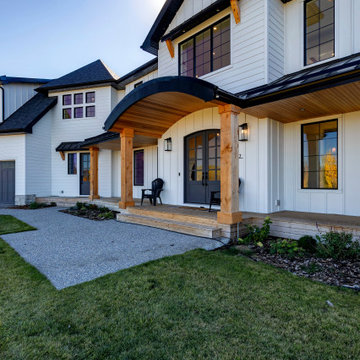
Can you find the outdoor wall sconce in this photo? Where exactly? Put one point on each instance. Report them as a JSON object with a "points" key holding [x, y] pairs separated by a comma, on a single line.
{"points": [[243, 132], [168, 144]]}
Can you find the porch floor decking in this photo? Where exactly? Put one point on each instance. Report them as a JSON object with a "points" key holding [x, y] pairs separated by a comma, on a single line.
{"points": [[189, 219]]}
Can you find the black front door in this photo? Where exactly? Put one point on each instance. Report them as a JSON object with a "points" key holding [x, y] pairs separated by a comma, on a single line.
{"points": [[85, 174], [202, 166]]}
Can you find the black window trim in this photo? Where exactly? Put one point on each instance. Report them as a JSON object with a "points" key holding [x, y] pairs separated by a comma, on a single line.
{"points": [[70, 173], [302, 155], [71, 113], [78, 107], [86, 109], [63, 97], [143, 180], [305, 37], [90, 92], [192, 37], [82, 98]]}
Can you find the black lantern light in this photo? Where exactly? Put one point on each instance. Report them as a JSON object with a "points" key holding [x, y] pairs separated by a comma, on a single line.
{"points": [[168, 144], [243, 132]]}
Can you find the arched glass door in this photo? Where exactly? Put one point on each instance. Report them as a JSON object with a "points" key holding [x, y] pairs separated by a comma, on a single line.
{"points": [[202, 166]]}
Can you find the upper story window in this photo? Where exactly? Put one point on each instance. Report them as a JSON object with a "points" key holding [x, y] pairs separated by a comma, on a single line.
{"points": [[206, 51], [319, 30], [320, 155], [72, 105]]}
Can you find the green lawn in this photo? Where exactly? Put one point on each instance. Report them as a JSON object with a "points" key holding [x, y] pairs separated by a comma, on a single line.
{"points": [[9, 225], [201, 305]]}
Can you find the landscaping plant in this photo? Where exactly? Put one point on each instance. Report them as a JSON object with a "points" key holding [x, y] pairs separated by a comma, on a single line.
{"points": [[308, 243], [257, 235], [288, 248], [338, 246]]}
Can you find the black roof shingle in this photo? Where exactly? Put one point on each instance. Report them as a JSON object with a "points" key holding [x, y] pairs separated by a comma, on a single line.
{"points": [[94, 73], [23, 119]]}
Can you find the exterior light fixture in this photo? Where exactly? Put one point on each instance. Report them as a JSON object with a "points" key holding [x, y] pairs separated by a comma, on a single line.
{"points": [[168, 144], [243, 132]]}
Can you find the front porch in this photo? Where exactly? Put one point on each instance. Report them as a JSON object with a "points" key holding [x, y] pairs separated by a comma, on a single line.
{"points": [[199, 221]]}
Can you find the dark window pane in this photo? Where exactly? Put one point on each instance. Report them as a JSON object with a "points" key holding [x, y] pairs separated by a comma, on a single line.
{"points": [[203, 53], [78, 98], [320, 149], [319, 30], [90, 111], [90, 97], [187, 58], [139, 168], [66, 113], [72, 164], [78, 112], [66, 99], [221, 45]]}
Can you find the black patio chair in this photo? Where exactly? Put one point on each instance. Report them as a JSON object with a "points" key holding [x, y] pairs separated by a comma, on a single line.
{"points": [[215, 197], [153, 193]]}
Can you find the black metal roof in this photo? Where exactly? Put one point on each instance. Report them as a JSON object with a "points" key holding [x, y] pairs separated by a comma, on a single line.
{"points": [[164, 19], [332, 73], [70, 146], [23, 119], [21, 80], [94, 73]]}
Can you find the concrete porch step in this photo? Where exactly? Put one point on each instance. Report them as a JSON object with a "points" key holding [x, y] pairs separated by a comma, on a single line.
{"points": [[188, 228]]}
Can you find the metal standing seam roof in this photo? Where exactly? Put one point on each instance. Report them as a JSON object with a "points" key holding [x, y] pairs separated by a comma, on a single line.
{"points": [[24, 118], [21, 80]]}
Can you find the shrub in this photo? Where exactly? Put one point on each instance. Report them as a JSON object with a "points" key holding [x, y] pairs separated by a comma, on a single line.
{"points": [[92, 206], [79, 205], [106, 215], [288, 248], [257, 235], [337, 245], [53, 203], [34, 205], [308, 243]]}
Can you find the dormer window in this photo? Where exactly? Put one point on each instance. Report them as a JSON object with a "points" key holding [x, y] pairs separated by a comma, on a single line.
{"points": [[319, 30], [206, 51]]}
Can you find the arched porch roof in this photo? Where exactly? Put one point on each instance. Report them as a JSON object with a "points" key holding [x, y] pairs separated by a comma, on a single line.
{"points": [[155, 106]]}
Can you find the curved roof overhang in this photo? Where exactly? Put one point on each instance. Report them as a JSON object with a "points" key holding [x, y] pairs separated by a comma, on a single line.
{"points": [[152, 108]]}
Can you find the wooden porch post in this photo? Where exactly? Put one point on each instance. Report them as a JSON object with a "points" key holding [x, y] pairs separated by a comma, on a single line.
{"points": [[94, 173], [229, 150], [126, 138]]}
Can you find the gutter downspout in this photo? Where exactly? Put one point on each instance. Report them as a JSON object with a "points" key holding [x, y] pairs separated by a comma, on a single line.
{"points": [[2, 118]]}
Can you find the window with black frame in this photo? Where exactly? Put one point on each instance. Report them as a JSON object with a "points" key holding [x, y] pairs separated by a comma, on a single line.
{"points": [[319, 30], [206, 51], [320, 155], [72, 164], [139, 168]]}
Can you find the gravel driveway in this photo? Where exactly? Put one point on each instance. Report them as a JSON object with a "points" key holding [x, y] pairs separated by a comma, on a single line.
{"points": [[70, 250]]}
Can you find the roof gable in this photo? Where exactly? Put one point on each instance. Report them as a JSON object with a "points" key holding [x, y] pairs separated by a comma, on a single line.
{"points": [[94, 73], [164, 19]]}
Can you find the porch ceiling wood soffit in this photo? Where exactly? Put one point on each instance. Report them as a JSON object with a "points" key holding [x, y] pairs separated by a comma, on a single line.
{"points": [[152, 108]]}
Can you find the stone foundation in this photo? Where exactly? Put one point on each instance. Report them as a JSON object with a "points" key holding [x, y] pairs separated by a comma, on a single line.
{"points": [[24, 199]]}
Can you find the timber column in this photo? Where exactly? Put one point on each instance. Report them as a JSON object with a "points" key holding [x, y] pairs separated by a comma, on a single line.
{"points": [[126, 139], [229, 161], [94, 173]]}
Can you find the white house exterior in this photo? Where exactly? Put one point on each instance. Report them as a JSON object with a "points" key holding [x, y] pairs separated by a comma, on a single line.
{"points": [[283, 165]]}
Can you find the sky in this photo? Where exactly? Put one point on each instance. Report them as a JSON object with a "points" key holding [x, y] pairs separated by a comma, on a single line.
{"points": [[50, 38]]}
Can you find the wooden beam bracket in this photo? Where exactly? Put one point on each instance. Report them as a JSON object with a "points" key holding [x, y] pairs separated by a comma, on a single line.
{"points": [[236, 10], [62, 154], [170, 47]]}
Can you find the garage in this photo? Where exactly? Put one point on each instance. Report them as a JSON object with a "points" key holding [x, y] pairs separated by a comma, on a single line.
{"points": [[7, 182]]}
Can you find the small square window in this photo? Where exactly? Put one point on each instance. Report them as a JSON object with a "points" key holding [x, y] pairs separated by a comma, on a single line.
{"points": [[72, 164], [78, 99], [66, 99], [90, 111], [66, 113], [78, 112], [138, 84], [90, 97]]}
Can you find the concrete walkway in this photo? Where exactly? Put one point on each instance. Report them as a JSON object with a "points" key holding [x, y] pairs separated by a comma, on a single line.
{"points": [[70, 250]]}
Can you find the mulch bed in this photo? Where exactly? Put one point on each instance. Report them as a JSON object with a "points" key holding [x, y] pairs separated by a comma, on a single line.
{"points": [[344, 273], [96, 214]]}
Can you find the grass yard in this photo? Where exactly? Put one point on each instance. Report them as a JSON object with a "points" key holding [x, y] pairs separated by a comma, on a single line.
{"points": [[9, 225], [201, 305]]}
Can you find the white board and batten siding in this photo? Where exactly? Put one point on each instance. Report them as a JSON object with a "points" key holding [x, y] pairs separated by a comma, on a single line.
{"points": [[77, 130], [343, 201], [17, 95], [248, 52], [347, 32]]}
